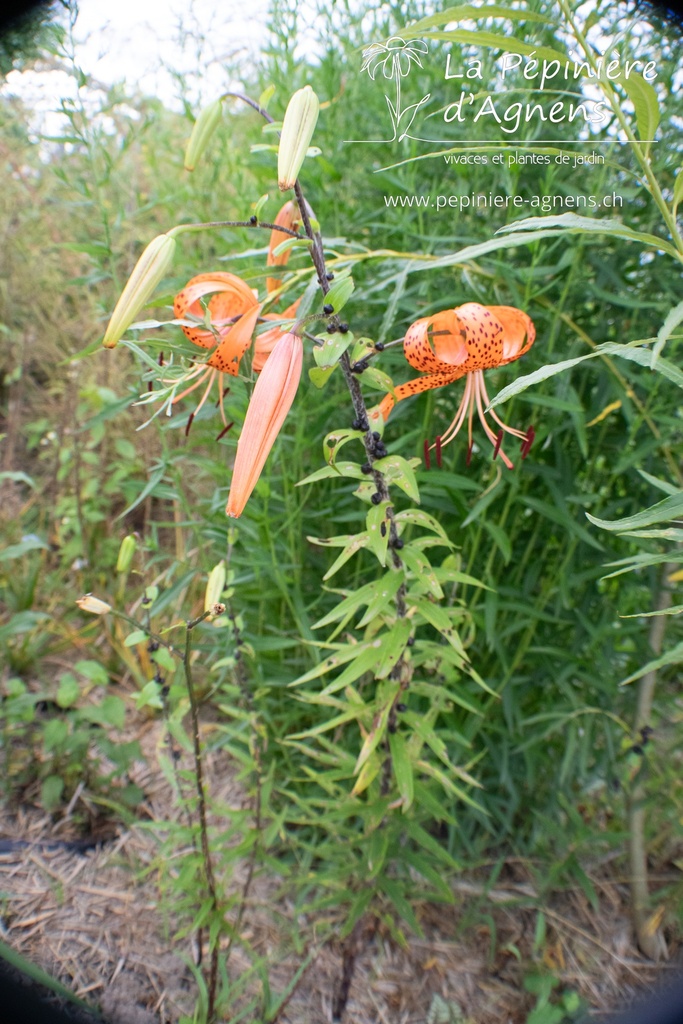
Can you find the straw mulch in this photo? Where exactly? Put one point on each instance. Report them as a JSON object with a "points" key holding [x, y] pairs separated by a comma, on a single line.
{"points": [[96, 921]]}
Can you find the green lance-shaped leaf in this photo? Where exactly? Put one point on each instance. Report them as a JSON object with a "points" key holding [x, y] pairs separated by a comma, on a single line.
{"points": [[403, 769], [330, 348], [644, 99], [672, 657], [678, 192], [673, 319], [400, 471], [340, 293], [468, 12], [668, 508], [207, 121], [378, 527], [642, 356]]}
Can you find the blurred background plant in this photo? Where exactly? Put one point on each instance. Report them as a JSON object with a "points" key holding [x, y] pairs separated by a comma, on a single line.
{"points": [[558, 743]]}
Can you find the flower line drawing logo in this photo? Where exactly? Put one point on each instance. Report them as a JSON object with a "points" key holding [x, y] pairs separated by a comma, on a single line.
{"points": [[396, 58]]}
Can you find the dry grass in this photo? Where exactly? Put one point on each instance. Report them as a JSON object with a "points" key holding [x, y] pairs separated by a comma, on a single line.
{"points": [[94, 920]]}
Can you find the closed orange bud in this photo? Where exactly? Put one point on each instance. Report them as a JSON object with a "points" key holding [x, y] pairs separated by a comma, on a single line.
{"points": [[270, 402], [288, 217]]}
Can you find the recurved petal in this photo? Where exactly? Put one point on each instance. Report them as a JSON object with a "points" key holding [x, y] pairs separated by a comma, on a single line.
{"points": [[484, 334], [270, 402], [414, 387], [445, 331], [232, 297], [517, 327], [234, 343]]}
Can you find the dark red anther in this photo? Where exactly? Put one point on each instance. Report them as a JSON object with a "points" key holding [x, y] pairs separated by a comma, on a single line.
{"points": [[428, 460], [189, 424], [161, 359], [469, 454], [221, 397], [527, 442], [499, 441], [225, 430], [437, 445], [150, 385]]}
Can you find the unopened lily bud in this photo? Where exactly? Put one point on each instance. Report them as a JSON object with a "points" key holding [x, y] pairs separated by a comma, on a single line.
{"points": [[93, 605], [207, 121], [126, 552], [148, 272], [215, 587], [298, 126]]}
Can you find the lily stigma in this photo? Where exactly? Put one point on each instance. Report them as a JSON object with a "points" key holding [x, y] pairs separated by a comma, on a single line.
{"points": [[464, 342]]}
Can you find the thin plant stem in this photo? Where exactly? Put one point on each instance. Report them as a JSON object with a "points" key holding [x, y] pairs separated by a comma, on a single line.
{"points": [[650, 939], [209, 875]]}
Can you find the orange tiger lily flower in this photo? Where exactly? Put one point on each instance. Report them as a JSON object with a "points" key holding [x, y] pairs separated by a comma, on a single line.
{"points": [[270, 402], [288, 217], [234, 310], [463, 342]]}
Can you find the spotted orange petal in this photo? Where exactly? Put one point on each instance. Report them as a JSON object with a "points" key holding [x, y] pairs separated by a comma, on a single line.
{"points": [[516, 327], [233, 297], [234, 343]]}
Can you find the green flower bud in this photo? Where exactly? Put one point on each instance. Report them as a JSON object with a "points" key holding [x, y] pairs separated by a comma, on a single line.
{"points": [[148, 272], [215, 587], [207, 121], [126, 552], [298, 126]]}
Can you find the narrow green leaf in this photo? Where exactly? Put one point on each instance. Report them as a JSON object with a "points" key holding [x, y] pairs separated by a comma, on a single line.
{"points": [[393, 645], [401, 472], [319, 375], [330, 347], [351, 469], [340, 292], [574, 222], [678, 192], [642, 356], [668, 508], [386, 591], [644, 99], [138, 636], [672, 657], [403, 769], [377, 525], [440, 619], [423, 519], [470, 12], [378, 379], [673, 319]]}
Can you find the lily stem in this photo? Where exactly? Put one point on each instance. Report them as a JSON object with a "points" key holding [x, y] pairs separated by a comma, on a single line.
{"points": [[209, 876]]}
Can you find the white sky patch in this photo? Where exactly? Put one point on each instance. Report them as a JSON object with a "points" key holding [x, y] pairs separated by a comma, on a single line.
{"points": [[170, 50]]}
